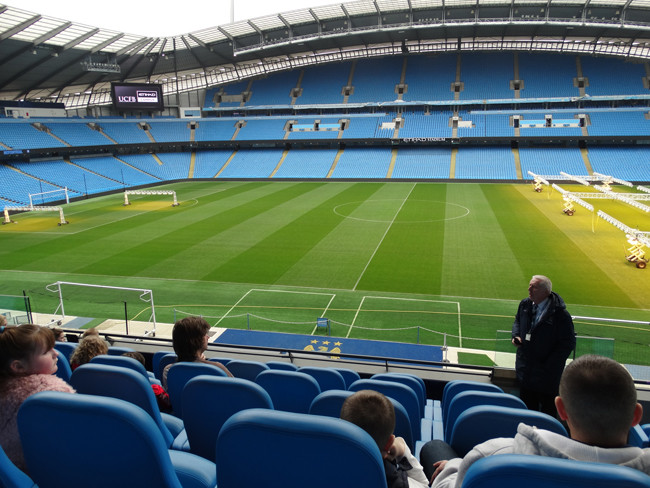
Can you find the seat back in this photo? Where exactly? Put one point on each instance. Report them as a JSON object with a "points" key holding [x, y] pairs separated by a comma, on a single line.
{"points": [[479, 424], [100, 432], [247, 370], [122, 383], [63, 369], [349, 375], [328, 379], [66, 348], [471, 398], [178, 376], [121, 362], [164, 361], [402, 393], [11, 476], [329, 404], [118, 350], [290, 391], [517, 470], [281, 365], [457, 386], [290, 451], [408, 380], [208, 401], [155, 363], [223, 361], [638, 437]]}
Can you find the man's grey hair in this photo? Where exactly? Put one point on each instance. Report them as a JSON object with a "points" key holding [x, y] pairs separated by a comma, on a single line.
{"points": [[544, 282]]}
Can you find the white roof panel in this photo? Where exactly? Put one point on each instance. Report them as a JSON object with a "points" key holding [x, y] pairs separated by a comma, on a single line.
{"points": [[329, 11], [363, 7]]}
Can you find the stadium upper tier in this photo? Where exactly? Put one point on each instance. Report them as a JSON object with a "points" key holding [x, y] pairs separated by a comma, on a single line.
{"points": [[443, 77]]}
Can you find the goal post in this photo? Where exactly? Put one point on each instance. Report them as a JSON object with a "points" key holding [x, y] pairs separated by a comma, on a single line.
{"points": [[8, 220], [149, 192], [34, 196], [93, 296]]}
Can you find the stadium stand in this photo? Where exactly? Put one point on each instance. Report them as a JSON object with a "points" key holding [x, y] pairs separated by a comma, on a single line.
{"points": [[17, 187], [324, 84], [500, 67], [78, 134], [274, 90], [422, 162], [363, 163], [547, 75], [485, 163], [215, 130], [19, 135], [430, 77], [125, 133], [66, 174], [307, 163], [170, 131], [115, 170], [628, 163], [369, 87], [252, 163], [262, 130], [175, 166], [608, 76], [208, 163], [551, 160]]}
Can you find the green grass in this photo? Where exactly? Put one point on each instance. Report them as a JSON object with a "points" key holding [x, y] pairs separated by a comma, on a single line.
{"points": [[423, 251]]}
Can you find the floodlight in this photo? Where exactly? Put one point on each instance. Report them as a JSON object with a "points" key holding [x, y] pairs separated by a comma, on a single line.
{"points": [[643, 188], [575, 178]]}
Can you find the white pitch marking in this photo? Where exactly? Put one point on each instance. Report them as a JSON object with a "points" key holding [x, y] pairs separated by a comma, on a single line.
{"points": [[383, 237]]}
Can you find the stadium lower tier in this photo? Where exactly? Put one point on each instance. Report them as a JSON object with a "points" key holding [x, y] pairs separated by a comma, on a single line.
{"points": [[92, 175]]}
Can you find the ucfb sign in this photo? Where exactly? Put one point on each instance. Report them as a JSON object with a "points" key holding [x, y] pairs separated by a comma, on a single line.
{"points": [[127, 99]]}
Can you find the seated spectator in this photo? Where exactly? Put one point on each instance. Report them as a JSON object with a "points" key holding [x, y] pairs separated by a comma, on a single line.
{"points": [[164, 404], [59, 335], [374, 413], [90, 345], [27, 366], [190, 340], [599, 404]]}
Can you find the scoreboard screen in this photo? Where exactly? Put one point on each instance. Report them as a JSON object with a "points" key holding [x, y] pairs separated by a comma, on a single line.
{"points": [[132, 96]]}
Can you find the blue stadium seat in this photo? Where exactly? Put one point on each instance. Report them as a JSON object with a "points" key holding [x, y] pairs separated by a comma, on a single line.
{"points": [[129, 385], [457, 386], [247, 370], [282, 365], [178, 376], [349, 375], [328, 379], [128, 440], [124, 362], [402, 393], [472, 398], [290, 391], [11, 476], [63, 370], [479, 424], [309, 441], [208, 401], [329, 404], [66, 348], [517, 470]]}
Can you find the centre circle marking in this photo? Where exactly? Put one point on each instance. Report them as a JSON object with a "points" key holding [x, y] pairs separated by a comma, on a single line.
{"points": [[402, 221]]}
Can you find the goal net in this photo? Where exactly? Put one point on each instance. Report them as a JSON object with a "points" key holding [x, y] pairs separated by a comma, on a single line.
{"points": [[123, 310], [48, 196], [8, 220], [149, 192]]}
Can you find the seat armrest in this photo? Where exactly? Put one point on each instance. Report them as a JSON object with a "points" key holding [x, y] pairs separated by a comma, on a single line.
{"points": [[193, 471], [174, 424]]}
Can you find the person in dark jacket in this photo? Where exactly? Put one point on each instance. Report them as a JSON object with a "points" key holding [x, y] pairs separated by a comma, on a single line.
{"points": [[544, 337]]}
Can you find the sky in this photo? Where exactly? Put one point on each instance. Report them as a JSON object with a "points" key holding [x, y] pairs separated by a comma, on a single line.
{"points": [[163, 18]]}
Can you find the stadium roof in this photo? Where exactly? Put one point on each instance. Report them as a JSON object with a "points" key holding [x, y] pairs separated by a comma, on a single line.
{"points": [[47, 58]]}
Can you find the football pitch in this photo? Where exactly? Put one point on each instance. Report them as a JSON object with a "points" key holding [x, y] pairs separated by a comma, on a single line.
{"points": [[407, 262]]}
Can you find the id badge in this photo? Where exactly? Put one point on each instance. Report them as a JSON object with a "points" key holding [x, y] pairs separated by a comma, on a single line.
{"points": [[527, 337]]}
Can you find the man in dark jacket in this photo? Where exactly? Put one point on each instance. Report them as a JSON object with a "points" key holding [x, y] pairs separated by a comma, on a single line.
{"points": [[544, 337]]}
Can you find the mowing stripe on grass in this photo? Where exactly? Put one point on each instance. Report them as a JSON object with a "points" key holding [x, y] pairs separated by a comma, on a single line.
{"points": [[183, 236], [542, 248], [383, 237], [267, 260], [410, 257]]}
